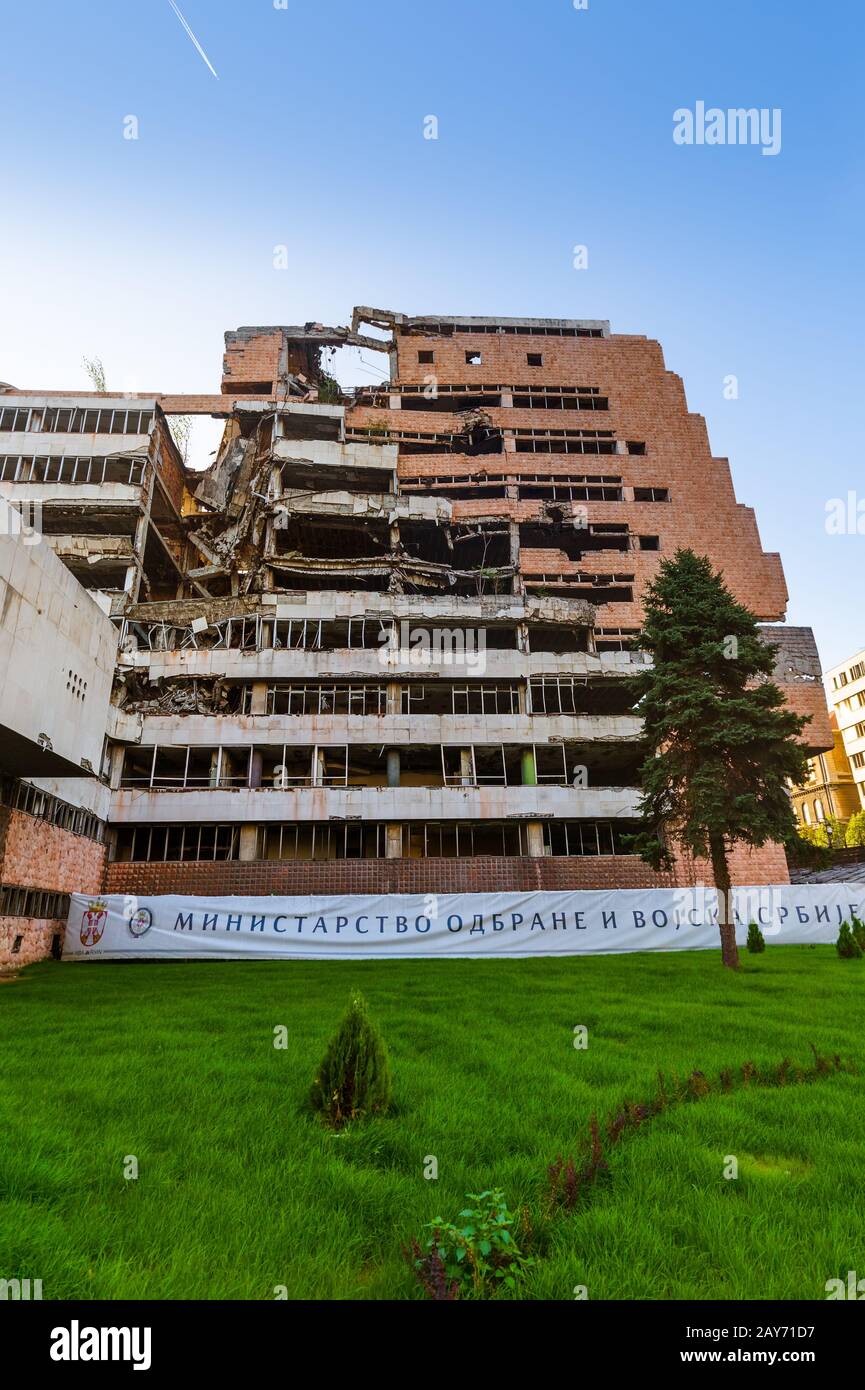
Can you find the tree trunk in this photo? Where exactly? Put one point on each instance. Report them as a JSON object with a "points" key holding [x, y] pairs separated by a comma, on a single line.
{"points": [[726, 921]]}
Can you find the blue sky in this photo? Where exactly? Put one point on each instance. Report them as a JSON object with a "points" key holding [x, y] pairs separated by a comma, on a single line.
{"points": [[555, 129]]}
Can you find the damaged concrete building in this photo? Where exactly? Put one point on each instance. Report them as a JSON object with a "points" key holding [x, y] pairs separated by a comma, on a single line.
{"points": [[381, 642]]}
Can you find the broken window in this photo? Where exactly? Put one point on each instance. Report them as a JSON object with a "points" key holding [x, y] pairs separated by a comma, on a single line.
{"points": [[71, 468], [484, 699], [557, 638], [569, 488], [169, 767], [14, 421], [556, 695], [651, 494], [586, 837], [473, 358], [149, 843], [615, 639], [451, 401], [311, 698], [138, 767], [595, 588], [636, 446], [287, 767], [559, 398], [535, 359], [578, 695], [551, 765], [565, 442], [458, 766], [464, 840], [490, 765], [62, 420], [312, 634], [426, 357], [313, 841], [330, 765]]}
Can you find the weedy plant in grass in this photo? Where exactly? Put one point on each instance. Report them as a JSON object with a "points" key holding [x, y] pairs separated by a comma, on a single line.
{"points": [[568, 1179], [476, 1259], [482, 1257], [847, 945], [353, 1079], [756, 942]]}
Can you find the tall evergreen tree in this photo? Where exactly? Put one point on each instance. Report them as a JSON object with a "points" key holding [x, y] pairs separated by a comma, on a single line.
{"points": [[722, 741]]}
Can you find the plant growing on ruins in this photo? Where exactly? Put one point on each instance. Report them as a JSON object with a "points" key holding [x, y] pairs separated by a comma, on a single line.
{"points": [[95, 371], [329, 389], [847, 946], [756, 942], [722, 745], [181, 431], [353, 1079]]}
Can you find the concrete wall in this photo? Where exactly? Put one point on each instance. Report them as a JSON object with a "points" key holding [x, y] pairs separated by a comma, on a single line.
{"points": [[57, 653], [244, 806]]}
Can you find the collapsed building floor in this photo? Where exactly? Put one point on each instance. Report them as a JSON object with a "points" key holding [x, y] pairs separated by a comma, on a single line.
{"points": [[381, 640]]}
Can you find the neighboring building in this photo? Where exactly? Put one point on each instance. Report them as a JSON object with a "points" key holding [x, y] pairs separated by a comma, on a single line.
{"points": [[57, 661], [380, 643], [829, 790], [845, 687]]}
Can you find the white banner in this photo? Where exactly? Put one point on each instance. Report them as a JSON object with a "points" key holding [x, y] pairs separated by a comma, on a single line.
{"points": [[113, 927]]}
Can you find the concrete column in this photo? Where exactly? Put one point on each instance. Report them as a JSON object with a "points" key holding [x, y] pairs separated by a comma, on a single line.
{"points": [[507, 399], [117, 753], [248, 847], [514, 535], [528, 768], [393, 698], [393, 842], [535, 836], [523, 697], [256, 768], [214, 768], [393, 767], [258, 701], [466, 767]]}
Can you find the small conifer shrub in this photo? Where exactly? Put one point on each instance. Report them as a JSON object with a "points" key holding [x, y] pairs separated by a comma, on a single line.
{"points": [[847, 946], [858, 929], [353, 1079], [756, 943]]}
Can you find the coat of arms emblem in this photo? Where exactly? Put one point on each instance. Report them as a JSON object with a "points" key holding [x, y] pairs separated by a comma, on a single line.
{"points": [[93, 922]]}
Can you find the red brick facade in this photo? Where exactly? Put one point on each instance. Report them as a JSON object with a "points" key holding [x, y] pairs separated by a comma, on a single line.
{"points": [[37, 855], [481, 875]]}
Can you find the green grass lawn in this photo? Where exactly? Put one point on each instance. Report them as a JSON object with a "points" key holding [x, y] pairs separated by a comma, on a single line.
{"points": [[240, 1189]]}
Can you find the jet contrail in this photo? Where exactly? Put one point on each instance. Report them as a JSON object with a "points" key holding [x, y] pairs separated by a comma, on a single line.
{"points": [[194, 39]]}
